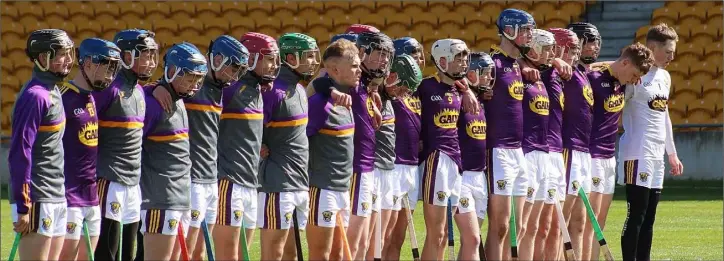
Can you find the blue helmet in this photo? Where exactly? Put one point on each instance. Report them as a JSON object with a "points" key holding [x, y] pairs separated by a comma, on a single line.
{"points": [[516, 19], [406, 45], [101, 53], [187, 61], [481, 63], [350, 37], [234, 54], [137, 41]]}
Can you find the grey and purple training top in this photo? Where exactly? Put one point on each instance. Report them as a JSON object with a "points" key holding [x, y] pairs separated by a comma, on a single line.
{"points": [[554, 87], [204, 111], [285, 125], [608, 95], [578, 112], [36, 156], [121, 110], [504, 110], [536, 112], [472, 132], [80, 143], [331, 140], [385, 136], [166, 169], [440, 110], [407, 130], [240, 131]]}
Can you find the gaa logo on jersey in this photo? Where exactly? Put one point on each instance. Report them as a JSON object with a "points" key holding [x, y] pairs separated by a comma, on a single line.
{"points": [[46, 222], [643, 176], [327, 216], [115, 207], [447, 118], [195, 215], [172, 223], [88, 134], [287, 217], [614, 103], [70, 227], [477, 129], [658, 103], [588, 94], [540, 105], [441, 195], [515, 89]]}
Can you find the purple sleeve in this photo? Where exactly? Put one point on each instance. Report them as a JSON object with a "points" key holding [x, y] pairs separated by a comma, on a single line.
{"points": [[104, 98], [27, 116], [271, 103], [323, 85], [153, 113], [317, 114]]}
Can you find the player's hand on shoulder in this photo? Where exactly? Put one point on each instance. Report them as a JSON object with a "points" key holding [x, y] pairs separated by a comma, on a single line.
{"points": [[266, 86], [341, 99], [163, 97], [564, 69], [470, 103], [531, 74]]}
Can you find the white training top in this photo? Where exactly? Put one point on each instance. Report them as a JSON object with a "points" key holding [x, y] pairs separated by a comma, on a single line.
{"points": [[646, 120]]}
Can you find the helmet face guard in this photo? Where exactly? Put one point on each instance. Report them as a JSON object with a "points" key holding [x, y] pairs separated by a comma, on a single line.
{"points": [[376, 60], [266, 64], [184, 81], [309, 60], [407, 73], [185, 68], [58, 61], [234, 61], [144, 56], [101, 74], [231, 67], [521, 23]]}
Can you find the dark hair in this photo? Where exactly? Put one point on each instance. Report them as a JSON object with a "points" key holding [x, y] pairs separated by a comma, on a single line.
{"points": [[661, 33]]}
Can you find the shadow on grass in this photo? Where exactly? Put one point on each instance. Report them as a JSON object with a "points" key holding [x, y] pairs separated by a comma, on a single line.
{"points": [[674, 190]]}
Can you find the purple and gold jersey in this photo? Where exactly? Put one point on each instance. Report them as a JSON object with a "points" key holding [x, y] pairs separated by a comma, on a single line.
{"points": [[472, 133], [35, 157], [364, 132], [536, 111], [504, 110], [608, 96], [554, 87], [407, 130], [80, 143], [440, 109], [578, 112]]}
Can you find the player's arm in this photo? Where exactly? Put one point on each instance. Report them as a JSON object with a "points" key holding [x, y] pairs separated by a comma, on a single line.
{"points": [[529, 72], [27, 117], [153, 115], [564, 69], [325, 87], [317, 115], [271, 99]]}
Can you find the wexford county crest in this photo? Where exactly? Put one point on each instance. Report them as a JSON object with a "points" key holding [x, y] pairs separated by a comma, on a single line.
{"points": [[327, 216], [46, 223], [596, 181], [172, 223], [643, 176], [464, 202], [115, 207], [576, 185], [551, 193], [288, 217], [70, 227], [530, 192], [441, 195], [237, 215], [195, 215], [501, 184]]}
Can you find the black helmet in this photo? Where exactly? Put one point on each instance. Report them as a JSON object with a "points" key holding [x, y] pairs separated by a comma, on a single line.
{"points": [[375, 41], [47, 41]]}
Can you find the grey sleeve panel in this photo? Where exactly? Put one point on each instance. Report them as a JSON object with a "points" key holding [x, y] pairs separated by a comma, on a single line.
{"points": [[47, 178], [385, 145], [120, 135], [165, 178], [285, 135], [240, 132], [204, 111]]}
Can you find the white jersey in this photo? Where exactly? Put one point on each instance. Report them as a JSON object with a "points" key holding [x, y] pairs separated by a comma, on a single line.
{"points": [[646, 119]]}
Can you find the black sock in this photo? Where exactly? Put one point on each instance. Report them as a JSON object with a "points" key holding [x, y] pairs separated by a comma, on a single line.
{"points": [[129, 239], [637, 199], [107, 248], [646, 235]]}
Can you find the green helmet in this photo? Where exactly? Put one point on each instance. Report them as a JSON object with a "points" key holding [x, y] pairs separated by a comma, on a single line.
{"points": [[408, 72], [305, 50]]}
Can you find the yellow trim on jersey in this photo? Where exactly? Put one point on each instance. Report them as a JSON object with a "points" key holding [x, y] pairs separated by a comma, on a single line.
{"points": [[290, 123], [338, 133], [496, 49], [172, 137], [388, 121], [119, 124], [204, 108], [52, 128], [242, 116]]}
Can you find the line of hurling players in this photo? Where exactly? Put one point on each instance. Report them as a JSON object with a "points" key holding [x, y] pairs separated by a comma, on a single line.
{"points": [[232, 140]]}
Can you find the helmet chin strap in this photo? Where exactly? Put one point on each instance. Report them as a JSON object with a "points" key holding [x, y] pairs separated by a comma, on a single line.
{"points": [[87, 81], [587, 60]]}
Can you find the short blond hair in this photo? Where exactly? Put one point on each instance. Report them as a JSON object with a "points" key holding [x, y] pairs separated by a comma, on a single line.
{"points": [[341, 48], [640, 55], [661, 33]]}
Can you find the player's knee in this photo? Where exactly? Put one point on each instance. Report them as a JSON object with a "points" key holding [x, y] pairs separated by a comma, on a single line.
{"points": [[469, 239]]}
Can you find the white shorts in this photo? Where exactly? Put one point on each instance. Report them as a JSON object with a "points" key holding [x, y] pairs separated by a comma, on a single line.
{"points": [[235, 202], [473, 194], [276, 209], [362, 198], [204, 203], [325, 205], [47, 219], [165, 221], [507, 173], [389, 190], [645, 173], [538, 163], [76, 216], [603, 175], [409, 178], [578, 171], [557, 170], [120, 202], [441, 180]]}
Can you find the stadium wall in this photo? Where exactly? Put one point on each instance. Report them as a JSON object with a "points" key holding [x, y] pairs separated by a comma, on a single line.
{"points": [[701, 152]]}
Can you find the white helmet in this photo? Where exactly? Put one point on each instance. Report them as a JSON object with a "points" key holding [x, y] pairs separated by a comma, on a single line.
{"points": [[449, 48], [541, 38]]}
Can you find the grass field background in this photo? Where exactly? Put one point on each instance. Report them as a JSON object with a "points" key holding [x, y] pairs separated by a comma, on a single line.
{"points": [[688, 224]]}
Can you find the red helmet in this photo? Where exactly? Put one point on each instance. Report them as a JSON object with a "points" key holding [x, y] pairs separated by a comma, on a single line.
{"points": [[564, 37], [259, 43], [361, 28]]}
